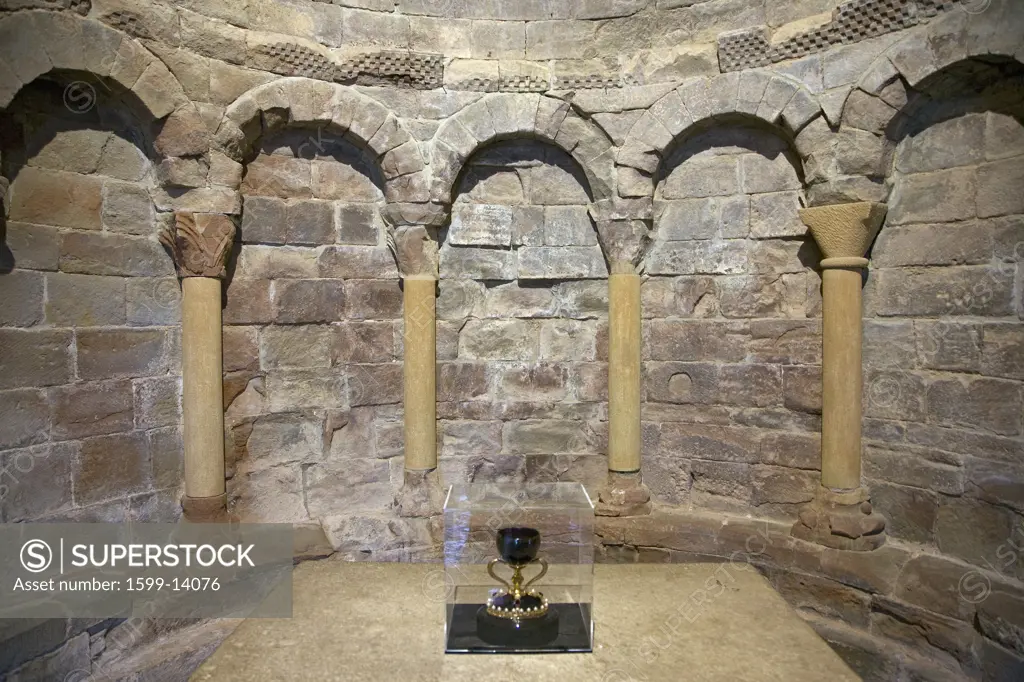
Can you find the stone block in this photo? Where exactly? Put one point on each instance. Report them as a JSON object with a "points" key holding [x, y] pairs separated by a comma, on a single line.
{"points": [[559, 39], [357, 224], [157, 402], [568, 226], [481, 225], [127, 208], [909, 512], [35, 358], [478, 263], [539, 382], [22, 302], [240, 349], [768, 173], [1003, 137], [470, 438], [34, 247], [85, 300], [999, 188], [718, 257], [688, 219], [546, 436], [723, 444], [895, 394], [92, 409], [458, 381], [373, 299], [283, 439], [801, 386], [279, 176], [948, 346], [295, 347], [248, 302], [276, 262], [776, 215], [720, 479], [948, 244], [939, 196], [974, 290], [264, 220], [1002, 351], [310, 223], [334, 180], [513, 300], [889, 345], [363, 342], [111, 353], [152, 301], [947, 144], [375, 384], [112, 467], [694, 340], [792, 450], [37, 481], [56, 198], [499, 340], [788, 342], [305, 301], [26, 418], [985, 404], [582, 299], [293, 389], [270, 496], [496, 186], [703, 176], [938, 636], [212, 38], [113, 254], [558, 182], [978, 533], [568, 262], [754, 296], [568, 340], [926, 469]]}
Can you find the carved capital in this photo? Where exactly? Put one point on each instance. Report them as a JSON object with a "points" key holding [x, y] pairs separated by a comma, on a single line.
{"points": [[844, 230], [841, 520], [624, 231], [426, 215], [200, 243], [415, 248]]}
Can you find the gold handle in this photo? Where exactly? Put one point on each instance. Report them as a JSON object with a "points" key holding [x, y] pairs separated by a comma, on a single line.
{"points": [[490, 570], [543, 570]]}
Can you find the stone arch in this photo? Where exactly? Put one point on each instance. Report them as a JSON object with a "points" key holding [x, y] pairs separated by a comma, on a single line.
{"points": [[504, 116], [958, 54], [304, 101], [776, 100]]}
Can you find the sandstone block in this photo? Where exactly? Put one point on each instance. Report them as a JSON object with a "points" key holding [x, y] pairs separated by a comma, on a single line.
{"points": [[545, 437], [34, 247], [56, 198], [481, 225], [696, 340], [305, 301], [703, 176], [38, 481], [111, 467], [268, 262], [34, 358], [26, 418], [363, 342], [998, 188], [22, 303], [153, 301], [357, 224], [546, 381], [92, 409], [974, 290], [1002, 351], [458, 381], [570, 262], [295, 347], [940, 196], [248, 302], [477, 263], [499, 339], [373, 299], [987, 404], [375, 384], [909, 512], [293, 389], [696, 442], [157, 402], [110, 254], [110, 353]]}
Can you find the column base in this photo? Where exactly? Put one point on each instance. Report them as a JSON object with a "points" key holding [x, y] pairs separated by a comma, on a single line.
{"points": [[841, 520], [205, 509], [625, 494], [421, 495]]}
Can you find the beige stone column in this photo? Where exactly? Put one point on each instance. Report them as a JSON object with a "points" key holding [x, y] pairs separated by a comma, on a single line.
{"points": [[623, 229], [415, 247], [842, 516], [420, 373], [200, 244], [624, 372]]}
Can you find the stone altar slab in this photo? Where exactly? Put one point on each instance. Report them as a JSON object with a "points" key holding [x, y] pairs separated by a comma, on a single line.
{"points": [[700, 622]]}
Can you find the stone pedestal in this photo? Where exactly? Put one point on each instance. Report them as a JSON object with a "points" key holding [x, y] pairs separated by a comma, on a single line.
{"points": [[200, 244], [841, 515], [625, 494]]}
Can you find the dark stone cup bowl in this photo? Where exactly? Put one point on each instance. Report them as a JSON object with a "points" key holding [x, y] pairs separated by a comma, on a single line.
{"points": [[518, 546]]}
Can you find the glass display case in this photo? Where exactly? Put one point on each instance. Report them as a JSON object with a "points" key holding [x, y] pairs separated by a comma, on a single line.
{"points": [[519, 568]]}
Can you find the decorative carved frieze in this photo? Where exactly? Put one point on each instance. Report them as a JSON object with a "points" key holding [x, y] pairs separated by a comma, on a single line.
{"points": [[289, 59], [200, 243], [851, 22], [129, 22], [412, 69]]}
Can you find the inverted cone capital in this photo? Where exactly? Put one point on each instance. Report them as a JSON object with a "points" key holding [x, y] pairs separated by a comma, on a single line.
{"points": [[844, 230]]}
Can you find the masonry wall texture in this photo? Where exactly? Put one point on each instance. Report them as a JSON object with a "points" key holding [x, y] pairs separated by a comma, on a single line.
{"points": [[506, 134]]}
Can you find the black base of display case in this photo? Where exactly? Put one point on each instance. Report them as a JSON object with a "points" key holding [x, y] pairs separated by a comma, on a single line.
{"points": [[564, 629]]}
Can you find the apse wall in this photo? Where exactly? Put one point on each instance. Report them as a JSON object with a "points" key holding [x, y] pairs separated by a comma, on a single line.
{"points": [[510, 139]]}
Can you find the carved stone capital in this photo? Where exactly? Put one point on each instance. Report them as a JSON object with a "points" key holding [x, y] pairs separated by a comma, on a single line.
{"points": [[841, 520], [200, 243], [844, 230], [624, 231], [426, 214], [415, 248], [625, 494]]}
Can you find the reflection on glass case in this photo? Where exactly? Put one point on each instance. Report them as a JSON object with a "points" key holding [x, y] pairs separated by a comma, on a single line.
{"points": [[519, 566]]}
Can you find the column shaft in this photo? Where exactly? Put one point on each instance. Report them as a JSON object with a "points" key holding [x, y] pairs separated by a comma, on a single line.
{"points": [[624, 372], [202, 387], [841, 377], [420, 367]]}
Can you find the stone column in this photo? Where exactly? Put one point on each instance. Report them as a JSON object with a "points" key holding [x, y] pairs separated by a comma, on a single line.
{"points": [[842, 516], [200, 244], [623, 230], [415, 248]]}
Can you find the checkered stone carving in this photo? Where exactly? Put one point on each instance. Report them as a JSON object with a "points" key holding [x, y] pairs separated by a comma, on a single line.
{"points": [[82, 7], [927, 9], [745, 49], [804, 44], [591, 82], [129, 22], [296, 60], [861, 19], [416, 70], [524, 84]]}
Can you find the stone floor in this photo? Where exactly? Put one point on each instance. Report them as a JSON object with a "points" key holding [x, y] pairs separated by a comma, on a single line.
{"points": [[365, 621]]}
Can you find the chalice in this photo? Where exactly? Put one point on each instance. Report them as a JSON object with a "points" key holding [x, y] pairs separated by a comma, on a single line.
{"points": [[517, 548]]}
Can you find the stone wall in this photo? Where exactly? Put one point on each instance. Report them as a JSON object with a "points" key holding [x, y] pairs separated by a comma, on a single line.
{"points": [[323, 129]]}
